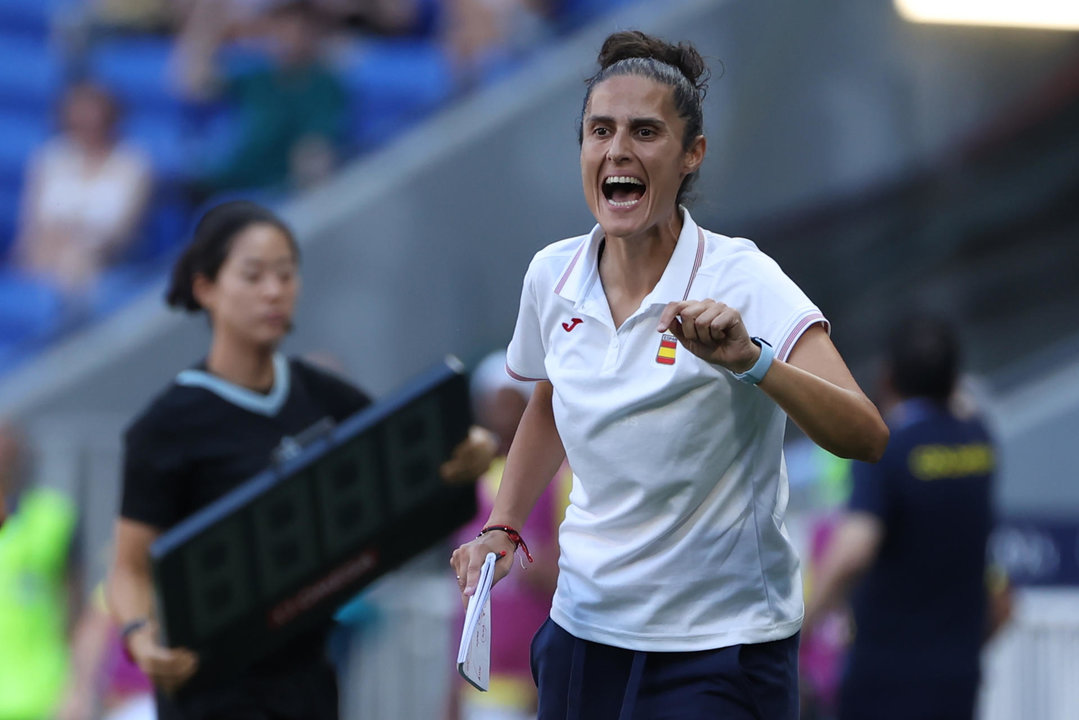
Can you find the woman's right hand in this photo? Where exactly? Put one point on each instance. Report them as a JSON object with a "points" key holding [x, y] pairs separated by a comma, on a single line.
{"points": [[468, 559], [167, 668]]}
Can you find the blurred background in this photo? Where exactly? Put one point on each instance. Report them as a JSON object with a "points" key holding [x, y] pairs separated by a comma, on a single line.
{"points": [[424, 150]]}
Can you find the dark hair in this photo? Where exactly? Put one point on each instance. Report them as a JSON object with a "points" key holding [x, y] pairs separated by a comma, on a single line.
{"points": [[681, 67], [211, 244], [923, 355]]}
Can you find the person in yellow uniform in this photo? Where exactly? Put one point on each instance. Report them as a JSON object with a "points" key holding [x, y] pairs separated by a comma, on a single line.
{"points": [[35, 552]]}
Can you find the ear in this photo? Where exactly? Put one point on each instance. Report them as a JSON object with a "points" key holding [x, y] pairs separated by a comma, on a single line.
{"points": [[694, 156], [203, 290]]}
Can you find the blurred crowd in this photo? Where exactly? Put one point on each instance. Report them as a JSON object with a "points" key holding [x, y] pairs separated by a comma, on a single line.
{"points": [[143, 110]]}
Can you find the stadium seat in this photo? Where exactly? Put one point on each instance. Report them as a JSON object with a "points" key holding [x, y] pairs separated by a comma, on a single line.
{"points": [[572, 14], [137, 70], [164, 228], [19, 136], [27, 17], [10, 195], [164, 137], [29, 309], [31, 76], [118, 286], [393, 83]]}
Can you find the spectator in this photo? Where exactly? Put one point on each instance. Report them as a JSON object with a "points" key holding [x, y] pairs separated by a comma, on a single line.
{"points": [[103, 678], [290, 113], [85, 195], [478, 34], [384, 17], [35, 588], [916, 527], [523, 600], [134, 16]]}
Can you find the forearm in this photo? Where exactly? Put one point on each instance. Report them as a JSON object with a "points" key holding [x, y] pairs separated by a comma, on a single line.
{"points": [[851, 551], [842, 421], [130, 586], [130, 594], [87, 650], [534, 458], [199, 40], [830, 590]]}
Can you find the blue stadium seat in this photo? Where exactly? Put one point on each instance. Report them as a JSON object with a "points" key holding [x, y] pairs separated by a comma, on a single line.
{"points": [[164, 137], [20, 135], [118, 286], [572, 14], [31, 75], [164, 228], [137, 71], [29, 310], [27, 17], [393, 83], [10, 195]]}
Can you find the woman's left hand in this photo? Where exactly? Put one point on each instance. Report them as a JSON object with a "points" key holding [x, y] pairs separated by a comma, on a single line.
{"points": [[471, 457], [712, 331]]}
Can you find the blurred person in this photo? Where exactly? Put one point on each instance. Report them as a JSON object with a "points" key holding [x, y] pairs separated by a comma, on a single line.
{"points": [[38, 587], [84, 196], [104, 682], [290, 113], [480, 33], [133, 16], [384, 17], [523, 600], [667, 359], [214, 427], [912, 544]]}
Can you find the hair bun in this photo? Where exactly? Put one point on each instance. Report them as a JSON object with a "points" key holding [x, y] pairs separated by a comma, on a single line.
{"points": [[629, 44]]}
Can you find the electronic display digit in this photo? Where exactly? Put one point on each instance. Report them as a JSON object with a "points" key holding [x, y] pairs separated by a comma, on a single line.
{"points": [[414, 449], [286, 545], [350, 502], [217, 578]]}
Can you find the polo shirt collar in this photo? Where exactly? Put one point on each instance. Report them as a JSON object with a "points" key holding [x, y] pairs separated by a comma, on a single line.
{"points": [[581, 274], [268, 404]]}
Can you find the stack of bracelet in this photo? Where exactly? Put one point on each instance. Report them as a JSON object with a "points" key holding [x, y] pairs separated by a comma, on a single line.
{"points": [[514, 536]]}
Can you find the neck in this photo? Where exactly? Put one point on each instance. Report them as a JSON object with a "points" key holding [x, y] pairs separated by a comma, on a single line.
{"points": [[93, 150], [636, 263], [247, 367]]}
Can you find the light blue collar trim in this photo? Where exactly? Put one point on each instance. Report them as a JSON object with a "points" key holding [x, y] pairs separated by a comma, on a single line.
{"points": [[268, 404]]}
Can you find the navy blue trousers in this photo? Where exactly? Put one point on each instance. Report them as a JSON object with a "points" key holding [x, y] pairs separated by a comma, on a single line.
{"points": [[582, 680]]}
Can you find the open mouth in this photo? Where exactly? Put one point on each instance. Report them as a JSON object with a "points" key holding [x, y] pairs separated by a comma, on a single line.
{"points": [[623, 191]]}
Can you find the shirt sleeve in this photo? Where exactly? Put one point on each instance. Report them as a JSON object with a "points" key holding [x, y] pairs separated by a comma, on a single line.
{"points": [[526, 353], [776, 309], [341, 398], [154, 477]]}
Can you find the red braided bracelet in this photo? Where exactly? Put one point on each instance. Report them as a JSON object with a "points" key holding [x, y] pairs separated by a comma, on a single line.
{"points": [[514, 536]]}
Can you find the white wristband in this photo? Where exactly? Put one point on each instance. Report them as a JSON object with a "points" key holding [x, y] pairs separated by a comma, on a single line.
{"points": [[755, 374]]}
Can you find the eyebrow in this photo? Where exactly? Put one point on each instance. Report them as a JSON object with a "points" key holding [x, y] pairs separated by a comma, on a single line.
{"points": [[633, 122], [251, 262]]}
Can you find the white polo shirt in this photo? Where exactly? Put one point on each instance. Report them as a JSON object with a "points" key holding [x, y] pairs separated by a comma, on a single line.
{"points": [[674, 538]]}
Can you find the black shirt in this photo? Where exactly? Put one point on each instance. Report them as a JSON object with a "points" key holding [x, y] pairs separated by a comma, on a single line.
{"points": [[203, 436], [920, 610], [195, 442]]}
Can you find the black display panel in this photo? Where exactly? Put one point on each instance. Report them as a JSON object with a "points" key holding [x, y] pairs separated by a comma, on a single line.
{"points": [[276, 557]]}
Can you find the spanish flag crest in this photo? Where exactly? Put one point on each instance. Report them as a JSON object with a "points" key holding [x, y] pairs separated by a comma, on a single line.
{"points": [[667, 345]]}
